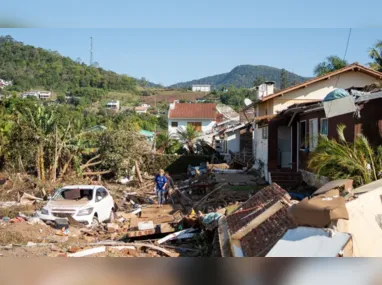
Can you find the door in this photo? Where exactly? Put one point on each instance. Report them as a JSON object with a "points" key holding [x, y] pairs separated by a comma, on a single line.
{"points": [[197, 125], [102, 204], [284, 145], [313, 134]]}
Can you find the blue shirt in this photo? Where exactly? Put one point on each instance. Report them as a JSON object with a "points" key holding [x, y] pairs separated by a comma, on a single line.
{"points": [[160, 181]]}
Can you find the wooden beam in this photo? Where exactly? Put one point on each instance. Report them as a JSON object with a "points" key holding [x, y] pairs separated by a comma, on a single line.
{"points": [[257, 221]]}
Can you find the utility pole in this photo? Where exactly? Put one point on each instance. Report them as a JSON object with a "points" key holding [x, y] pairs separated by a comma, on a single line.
{"points": [[91, 51]]}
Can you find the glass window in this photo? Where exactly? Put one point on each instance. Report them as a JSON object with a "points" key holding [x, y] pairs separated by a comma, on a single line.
{"points": [[303, 134], [313, 134], [324, 127], [174, 124]]}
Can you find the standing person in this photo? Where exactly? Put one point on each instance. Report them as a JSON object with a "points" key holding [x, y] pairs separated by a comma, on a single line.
{"points": [[170, 184], [161, 182]]}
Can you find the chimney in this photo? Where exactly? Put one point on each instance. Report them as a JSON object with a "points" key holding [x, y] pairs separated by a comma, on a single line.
{"points": [[270, 87]]}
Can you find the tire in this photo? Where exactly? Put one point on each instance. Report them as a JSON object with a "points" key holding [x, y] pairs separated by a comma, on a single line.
{"points": [[95, 222], [112, 216]]}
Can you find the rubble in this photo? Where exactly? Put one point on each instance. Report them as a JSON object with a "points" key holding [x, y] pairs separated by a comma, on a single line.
{"points": [[217, 211]]}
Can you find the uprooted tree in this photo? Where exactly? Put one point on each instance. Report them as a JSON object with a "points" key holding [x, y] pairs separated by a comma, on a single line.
{"points": [[52, 142]]}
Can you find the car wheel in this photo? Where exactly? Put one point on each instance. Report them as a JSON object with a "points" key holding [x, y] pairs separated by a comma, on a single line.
{"points": [[95, 222], [112, 216]]}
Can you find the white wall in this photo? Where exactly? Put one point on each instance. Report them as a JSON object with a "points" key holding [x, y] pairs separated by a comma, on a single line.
{"points": [[201, 88], [318, 91], [207, 125], [261, 150], [233, 141]]}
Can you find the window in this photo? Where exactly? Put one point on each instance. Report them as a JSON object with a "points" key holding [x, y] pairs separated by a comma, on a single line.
{"points": [[264, 133], [313, 134], [303, 142], [324, 127], [174, 124], [101, 192]]}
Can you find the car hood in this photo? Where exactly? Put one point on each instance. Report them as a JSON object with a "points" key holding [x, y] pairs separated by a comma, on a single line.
{"points": [[68, 204]]}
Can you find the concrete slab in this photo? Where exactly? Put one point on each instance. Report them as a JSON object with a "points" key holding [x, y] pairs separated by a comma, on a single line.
{"points": [[376, 185]]}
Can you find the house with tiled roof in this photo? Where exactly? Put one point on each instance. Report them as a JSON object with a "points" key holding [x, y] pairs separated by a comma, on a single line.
{"points": [[202, 116], [254, 228], [271, 103]]}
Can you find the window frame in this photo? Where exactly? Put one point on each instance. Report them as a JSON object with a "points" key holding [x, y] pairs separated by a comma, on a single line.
{"points": [[327, 126], [264, 133], [313, 140], [305, 135], [172, 124]]}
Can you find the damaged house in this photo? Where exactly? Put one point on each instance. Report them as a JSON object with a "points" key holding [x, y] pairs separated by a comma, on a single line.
{"points": [[280, 142], [358, 111]]}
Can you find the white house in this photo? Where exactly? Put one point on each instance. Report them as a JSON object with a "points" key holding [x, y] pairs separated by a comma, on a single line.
{"points": [[313, 90], [113, 105], [141, 109], [42, 95], [202, 116], [201, 88]]}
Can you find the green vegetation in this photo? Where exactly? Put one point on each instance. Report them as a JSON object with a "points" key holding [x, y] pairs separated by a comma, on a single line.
{"points": [[188, 137], [53, 140], [375, 54], [331, 63], [341, 159], [244, 76], [165, 143], [232, 96], [30, 67]]}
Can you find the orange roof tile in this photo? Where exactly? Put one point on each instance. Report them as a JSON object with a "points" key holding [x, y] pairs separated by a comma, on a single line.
{"points": [[193, 111]]}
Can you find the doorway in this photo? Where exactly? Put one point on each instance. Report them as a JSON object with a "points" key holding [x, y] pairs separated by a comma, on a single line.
{"points": [[284, 146], [197, 125]]}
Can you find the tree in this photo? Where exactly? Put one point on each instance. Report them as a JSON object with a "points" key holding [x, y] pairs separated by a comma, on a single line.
{"points": [[166, 143], [188, 137], [341, 159], [376, 55], [331, 63], [79, 60], [258, 81], [284, 79]]}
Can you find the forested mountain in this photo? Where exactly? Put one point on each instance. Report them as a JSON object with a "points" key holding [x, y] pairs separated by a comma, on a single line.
{"points": [[244, 76], [29, 67]]}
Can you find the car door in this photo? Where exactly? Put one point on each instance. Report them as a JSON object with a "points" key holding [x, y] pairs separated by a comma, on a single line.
{"points": [[102, 208]]}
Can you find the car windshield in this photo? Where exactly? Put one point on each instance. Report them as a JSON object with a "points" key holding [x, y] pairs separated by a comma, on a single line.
{"points": [[74, 194]]}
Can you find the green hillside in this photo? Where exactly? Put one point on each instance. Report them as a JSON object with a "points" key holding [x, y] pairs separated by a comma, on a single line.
{"points": [[30, 67], [244, 76]]}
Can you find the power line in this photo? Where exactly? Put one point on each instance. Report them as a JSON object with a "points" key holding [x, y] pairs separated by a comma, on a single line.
{"points": [[346, 51], [347, 44]]}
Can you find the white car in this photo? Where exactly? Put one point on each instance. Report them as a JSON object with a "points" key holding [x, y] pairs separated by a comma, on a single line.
{"points": [[87, 204]]}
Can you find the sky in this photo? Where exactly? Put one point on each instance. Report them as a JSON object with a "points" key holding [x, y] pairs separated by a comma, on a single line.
{"points": [[169, 56], [194, 14]]}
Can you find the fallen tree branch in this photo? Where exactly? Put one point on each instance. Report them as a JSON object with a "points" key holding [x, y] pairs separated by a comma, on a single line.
{"points": [[209, 194], [96, 173]]}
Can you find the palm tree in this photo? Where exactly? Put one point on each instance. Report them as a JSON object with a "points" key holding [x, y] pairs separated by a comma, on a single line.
{"points": [[376, 54], [331, 63], [167, 143], [188, 136], [341, 159]]}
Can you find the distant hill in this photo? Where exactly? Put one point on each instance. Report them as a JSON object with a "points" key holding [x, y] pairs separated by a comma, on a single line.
{"points": [[30, 67], [244, 76]]}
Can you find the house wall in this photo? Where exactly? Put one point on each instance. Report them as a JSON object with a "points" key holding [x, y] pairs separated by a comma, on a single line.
{"points": [[319, 90], [261, 150], [233, 141], [207, 125], [265, 108]]}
